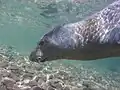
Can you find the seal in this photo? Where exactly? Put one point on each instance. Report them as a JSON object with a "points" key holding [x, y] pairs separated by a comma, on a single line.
{"points": [[93, 38]]}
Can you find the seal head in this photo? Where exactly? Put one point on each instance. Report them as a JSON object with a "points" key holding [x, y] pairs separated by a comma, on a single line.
{"points": [[56, 44]]}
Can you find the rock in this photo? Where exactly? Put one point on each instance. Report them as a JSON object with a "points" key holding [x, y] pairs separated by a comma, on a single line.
{"points": [[2, 87], [19, 83], [30, 71], [75, 88], [36, 78], [90, 85], [87, 89], [51, 76], [44, 85], [30, 82], [27, 76], [43, 77], [40, 81], [37, 67], [62, 75], [12, 67], [57, 84], [1, 57], [79, 85], [87, 83], [13, 76], [23, 87], [8, 82], [26, 81], [36, 88], [1, 77], [66, 88], [5, 73], [51, 88], [15, 87], [3, 64], [17, 72]]}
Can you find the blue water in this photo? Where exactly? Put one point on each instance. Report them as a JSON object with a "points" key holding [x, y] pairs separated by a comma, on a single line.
{"points": [[24, 22]]}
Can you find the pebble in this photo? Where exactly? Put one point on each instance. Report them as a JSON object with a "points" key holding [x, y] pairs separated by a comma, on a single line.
{"points": [[5, 73], [36, 78], [15, 87], [44, 85], [2, 87], [12, 67], [36, 88], [24, 87], [1, 77], [9, 82], [51, 88], [13, 76], [51, 76], [86, 83], [75, 88], [55, 83], [66, 88], [3, 64], [27, 76], [40, 81], [26, 81], [32, 83]]}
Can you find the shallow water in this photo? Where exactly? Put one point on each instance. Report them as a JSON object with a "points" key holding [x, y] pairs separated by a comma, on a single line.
{"points": [[24, 22]]}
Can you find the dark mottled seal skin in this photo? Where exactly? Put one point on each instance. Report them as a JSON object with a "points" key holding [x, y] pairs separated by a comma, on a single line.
{"points": [[94, 38]]}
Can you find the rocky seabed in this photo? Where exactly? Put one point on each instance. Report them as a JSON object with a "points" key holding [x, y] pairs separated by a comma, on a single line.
{"points": [[18, 73]]}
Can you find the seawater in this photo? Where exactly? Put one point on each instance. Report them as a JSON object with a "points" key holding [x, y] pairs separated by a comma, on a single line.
{"points": [[24, 22]]}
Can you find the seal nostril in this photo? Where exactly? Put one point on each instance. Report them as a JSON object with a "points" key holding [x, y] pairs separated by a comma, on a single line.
{"points": [[38, 58]]}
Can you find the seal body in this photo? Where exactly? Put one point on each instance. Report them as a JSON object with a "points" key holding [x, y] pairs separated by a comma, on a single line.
{"points": [[94, 38]]}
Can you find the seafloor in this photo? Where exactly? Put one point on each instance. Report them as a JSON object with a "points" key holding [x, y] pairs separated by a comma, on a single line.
{"points": [[18, 73]]}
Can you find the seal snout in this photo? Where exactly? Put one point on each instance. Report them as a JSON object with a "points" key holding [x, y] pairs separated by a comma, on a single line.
{"points": [[33, 57], [36, 56]]}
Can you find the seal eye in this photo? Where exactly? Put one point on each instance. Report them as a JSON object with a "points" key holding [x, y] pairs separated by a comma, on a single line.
{"points": [[41, 43]]}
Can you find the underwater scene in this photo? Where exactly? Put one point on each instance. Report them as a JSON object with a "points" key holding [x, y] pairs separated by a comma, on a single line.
{"points": [[24, 22]]}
